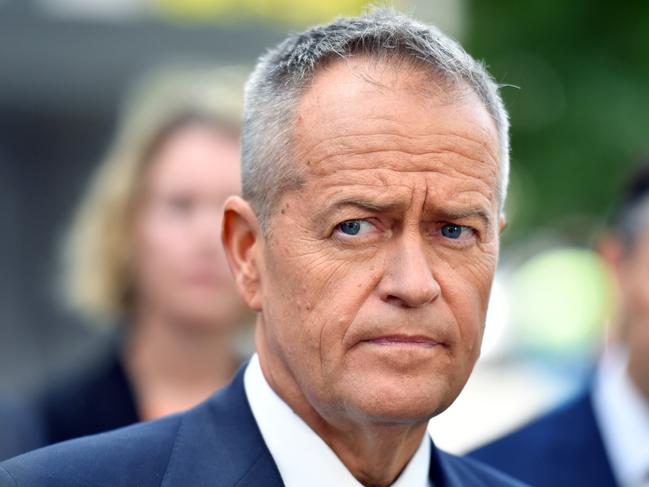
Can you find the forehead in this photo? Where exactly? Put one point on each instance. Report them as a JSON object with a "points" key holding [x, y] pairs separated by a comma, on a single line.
{"points": [[361, 116], [196, 156]]}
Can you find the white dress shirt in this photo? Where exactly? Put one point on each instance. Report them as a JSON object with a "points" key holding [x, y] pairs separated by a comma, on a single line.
{"points": [[301, 456], [622, 414]]}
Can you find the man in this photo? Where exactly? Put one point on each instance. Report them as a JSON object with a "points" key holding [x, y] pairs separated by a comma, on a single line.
{"points": [[374, 170], [601, 438]]}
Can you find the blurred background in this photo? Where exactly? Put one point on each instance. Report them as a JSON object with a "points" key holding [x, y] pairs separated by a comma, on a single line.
{"points": [[576, 74]]}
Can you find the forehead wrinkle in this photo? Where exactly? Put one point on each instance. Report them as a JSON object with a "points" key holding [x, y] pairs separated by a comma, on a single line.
{"points": [[386, 142], [460, 148], [343, 144], [391, 174], [385, 197], [389, 178], [381, 193], [443, 162], [472, 174], [473, 197]]}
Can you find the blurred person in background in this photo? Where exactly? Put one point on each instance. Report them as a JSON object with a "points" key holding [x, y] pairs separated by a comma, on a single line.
{"points": [[144, 254], [601, 437]]}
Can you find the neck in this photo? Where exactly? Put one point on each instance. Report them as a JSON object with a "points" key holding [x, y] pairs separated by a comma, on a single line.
{"points": [[374, 451], [172, 365], [365, 446]]}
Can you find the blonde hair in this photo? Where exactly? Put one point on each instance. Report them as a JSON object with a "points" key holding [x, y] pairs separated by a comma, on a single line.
{"points": [[95, 255]]}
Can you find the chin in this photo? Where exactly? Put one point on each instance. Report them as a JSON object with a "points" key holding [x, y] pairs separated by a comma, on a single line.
{"points": [[409, 385], [203, 307], [402, 400], [198, 319]]}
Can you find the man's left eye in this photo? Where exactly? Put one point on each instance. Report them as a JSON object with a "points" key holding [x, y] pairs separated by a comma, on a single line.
{"points": [[453, 231], [354, 227]]}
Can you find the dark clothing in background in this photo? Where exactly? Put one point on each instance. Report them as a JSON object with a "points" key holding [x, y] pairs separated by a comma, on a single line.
{"points": [[19, 429], [100, 399], [216, 443], [561, 448]]}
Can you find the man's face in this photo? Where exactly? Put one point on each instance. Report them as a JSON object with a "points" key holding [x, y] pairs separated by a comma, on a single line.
{"points": [[375, 275]]}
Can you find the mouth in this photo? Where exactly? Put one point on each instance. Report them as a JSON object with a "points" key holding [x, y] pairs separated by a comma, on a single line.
{"points": [[403, 340]]}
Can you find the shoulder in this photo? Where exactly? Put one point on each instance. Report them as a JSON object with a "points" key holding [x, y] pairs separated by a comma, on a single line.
{"points": [[215, 442], [136, 455], [91, 401], [562, 447], [467, 471]]}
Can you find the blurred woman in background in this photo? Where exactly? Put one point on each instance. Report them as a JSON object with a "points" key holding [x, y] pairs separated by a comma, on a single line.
{"points": [[144, 253]]}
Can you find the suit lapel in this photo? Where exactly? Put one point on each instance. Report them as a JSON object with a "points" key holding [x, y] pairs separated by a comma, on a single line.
{"points": [[450, 471], [219, 444]]}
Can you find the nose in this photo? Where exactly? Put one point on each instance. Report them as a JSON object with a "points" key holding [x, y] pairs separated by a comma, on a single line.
{"points": [[408, 280]]}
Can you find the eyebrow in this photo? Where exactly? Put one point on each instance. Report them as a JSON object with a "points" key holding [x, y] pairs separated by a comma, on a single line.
{"points": [[359, 203], [470, 212], [444, 212], [372, 206]]}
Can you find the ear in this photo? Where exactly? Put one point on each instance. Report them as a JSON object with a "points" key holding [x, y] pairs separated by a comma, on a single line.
{"points": [[241, 238]]}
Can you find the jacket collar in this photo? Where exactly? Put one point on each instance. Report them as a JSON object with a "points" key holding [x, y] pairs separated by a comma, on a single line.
{"points": [[218, 443]]}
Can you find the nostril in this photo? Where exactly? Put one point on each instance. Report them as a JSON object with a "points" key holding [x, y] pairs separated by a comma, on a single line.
{"points": [[394, 300], [411, 300]]}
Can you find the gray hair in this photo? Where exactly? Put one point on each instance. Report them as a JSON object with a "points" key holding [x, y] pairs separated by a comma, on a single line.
{"points": [[282, 75]]}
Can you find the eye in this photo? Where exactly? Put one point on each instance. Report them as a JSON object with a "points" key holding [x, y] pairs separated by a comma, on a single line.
{"points": [[354, 227], [454, 231]]}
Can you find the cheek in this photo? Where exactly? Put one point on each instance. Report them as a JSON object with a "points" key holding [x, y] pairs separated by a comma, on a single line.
{"points": [[466, 288], [158, 256], [315, 294]]}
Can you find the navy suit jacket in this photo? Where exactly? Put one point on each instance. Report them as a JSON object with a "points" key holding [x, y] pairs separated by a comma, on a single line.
{"points": [[561, 448], [217, 443]]}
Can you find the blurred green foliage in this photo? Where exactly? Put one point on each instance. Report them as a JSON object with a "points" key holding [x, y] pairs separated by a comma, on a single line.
{"points": [[580, 117]]}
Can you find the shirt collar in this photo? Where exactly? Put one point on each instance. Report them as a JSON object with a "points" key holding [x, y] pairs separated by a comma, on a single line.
{"points": [[302, 457], [622, 413]]}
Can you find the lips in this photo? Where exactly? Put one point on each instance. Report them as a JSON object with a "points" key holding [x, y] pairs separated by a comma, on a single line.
{"points": [[404, 340]]}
